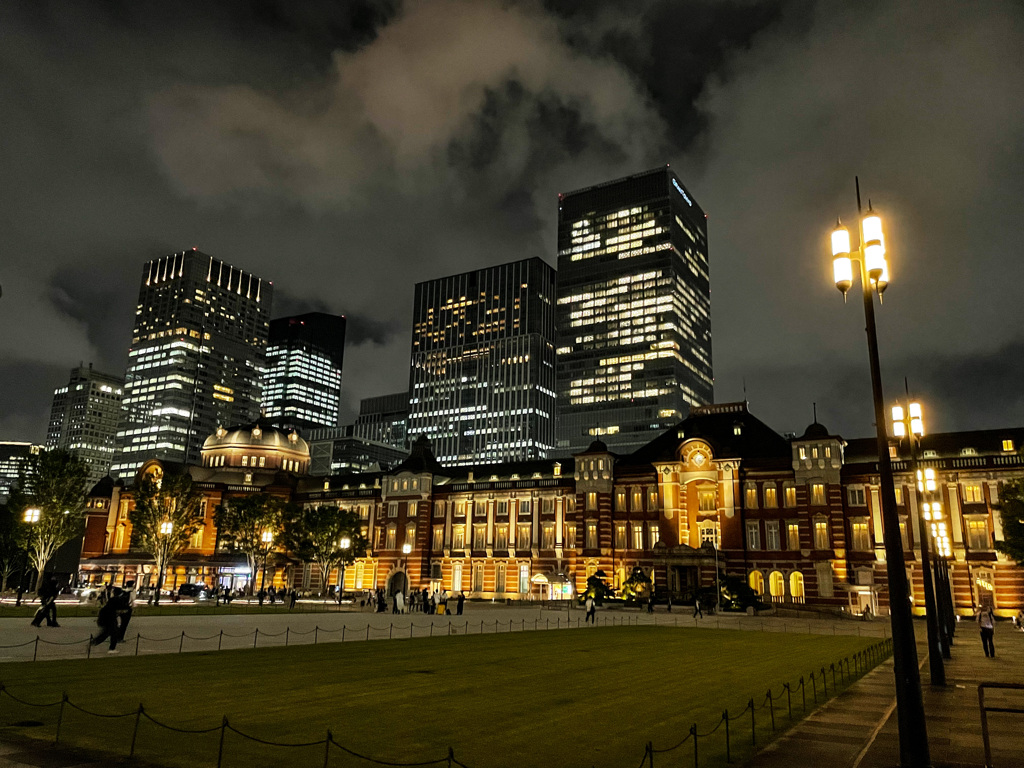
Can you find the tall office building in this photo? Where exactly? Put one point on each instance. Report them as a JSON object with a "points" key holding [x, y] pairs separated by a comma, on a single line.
{"points": [[84, 419], [12, 456], [384, 419], [302, 379], [482, 381], [634, 310], [197, 353]]}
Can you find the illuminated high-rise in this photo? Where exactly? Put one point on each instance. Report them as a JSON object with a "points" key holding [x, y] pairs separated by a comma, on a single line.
{"points": [[84, 419], [197, 354], [482, 386], [302, 380], [634, 310]]}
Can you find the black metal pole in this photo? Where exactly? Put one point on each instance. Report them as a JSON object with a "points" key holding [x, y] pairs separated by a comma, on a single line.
{"points": [[936, 669], [913, 732]]}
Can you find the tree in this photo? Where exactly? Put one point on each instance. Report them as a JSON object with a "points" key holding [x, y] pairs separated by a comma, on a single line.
{"points": [[12, 543], [597, 588], [51, 499], [316, 535], [250, 525], [1011, 511], [638, 585], [168, 512]]}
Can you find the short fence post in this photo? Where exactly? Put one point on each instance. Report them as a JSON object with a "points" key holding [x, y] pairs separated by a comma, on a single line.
{"points": [[432, 627], [135, 732], [510, 625], [181, 643], [449, 629], [391, 630], [60, 717], [255, 637], [650, 754], [220, 745], [753, 725], [137, 638], [815, 684], [220, 639], [693, 730], [789, 699], [367, 631], [287, 633], [451, 757], [88, 648], [803, 693], [824, 682], [327, 747], [728, 751], [771, 709], [833, 668], [35, 649], [410, 628]]}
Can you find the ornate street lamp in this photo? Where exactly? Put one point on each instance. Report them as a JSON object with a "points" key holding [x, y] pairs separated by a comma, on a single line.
{"points": [[344, 545], [267, 537], [909, 423], [873, 270]]}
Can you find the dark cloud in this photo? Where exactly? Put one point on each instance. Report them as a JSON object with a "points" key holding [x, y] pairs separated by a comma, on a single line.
{"points": [[346, 151]]}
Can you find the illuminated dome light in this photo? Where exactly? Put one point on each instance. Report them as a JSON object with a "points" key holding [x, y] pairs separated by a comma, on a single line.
{"points": [[257, 432], [259, 447]]}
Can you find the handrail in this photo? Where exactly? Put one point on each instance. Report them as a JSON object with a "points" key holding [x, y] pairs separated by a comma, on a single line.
{"points": [[985, 710]]}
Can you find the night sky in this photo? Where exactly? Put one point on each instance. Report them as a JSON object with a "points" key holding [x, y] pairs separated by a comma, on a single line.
{"points": [[346, 150]]}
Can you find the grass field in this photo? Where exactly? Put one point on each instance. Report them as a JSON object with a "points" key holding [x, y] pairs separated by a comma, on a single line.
{"points": [[573, 698]]}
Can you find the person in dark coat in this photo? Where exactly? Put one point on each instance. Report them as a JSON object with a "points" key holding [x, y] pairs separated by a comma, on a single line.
{"points": [[107, 619], [461, 602], [48, 592], [124, 612]]}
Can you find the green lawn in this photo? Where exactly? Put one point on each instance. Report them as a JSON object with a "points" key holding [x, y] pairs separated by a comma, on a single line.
{"points": [[573, 698]]}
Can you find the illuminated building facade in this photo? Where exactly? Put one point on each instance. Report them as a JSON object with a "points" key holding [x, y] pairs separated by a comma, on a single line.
{"points": [[634, 310], [339, 451], [84, 419], [302, 379], [384, 419], [482, 384], [198, 349], [798, 519], [12, 455]]}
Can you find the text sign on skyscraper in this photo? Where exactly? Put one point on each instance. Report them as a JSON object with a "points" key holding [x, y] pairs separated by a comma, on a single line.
{"points": [[482, 381], [197, 353], [634, 310]]}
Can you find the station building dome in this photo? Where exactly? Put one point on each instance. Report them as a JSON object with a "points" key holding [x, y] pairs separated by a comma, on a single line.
{"points": [[257, 446]]}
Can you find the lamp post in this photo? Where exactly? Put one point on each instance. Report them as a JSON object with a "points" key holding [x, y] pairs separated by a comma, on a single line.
{"points": [[909, 423], [874, 276], [31, 516], [344, 545], [933, 514], [267, 537]]}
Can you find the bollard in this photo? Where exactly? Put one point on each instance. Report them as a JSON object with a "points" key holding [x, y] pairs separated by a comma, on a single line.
{"points": [[255, 637], [367, 631], [824, 683], [815, 684], [449, 629], [693, 732], [137, 638], [220, 746], [753, 725], [327, 747], [181, 643], [35, 649], [803, 693], [410, 627], [391, 630], [728, 749], [650, 754], [833, 668], [220, 639], [789, 699], [771, 709], [60, 716], [88, 648], [432, 627], [287, 631], [135, 732]]}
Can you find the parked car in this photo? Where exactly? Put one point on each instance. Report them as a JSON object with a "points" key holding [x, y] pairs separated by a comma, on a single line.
{"points": [[197, 591]]}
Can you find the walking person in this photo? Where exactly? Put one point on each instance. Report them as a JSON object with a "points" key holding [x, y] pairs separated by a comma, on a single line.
{"points": [[460, 602], [125, 609], [591, 610], [696, 608], [48, 592], [107, 620], [987, 623], [399, 602]]}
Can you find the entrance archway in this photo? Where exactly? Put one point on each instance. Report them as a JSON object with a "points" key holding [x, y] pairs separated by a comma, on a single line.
{"points": [[398, 583]]}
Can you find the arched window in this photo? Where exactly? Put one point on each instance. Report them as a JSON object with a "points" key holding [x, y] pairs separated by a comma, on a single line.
{"points": [[777, 586], [756, 581], [796, 586]]}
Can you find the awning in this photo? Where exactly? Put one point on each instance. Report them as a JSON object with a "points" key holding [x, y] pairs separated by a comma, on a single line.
{"points": [[549, 578]]}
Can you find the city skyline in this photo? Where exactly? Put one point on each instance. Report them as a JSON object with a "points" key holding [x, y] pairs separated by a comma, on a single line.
{"points": [[355, 151]]}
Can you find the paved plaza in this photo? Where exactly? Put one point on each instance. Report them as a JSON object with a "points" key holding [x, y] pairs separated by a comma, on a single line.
{"points": [[191, 633]]}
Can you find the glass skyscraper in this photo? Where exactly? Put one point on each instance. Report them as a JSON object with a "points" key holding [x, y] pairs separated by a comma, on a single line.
{"points": [[302, 381], [197, 354], [634, 310], [84, 419], [384, 419], [482, 385]]}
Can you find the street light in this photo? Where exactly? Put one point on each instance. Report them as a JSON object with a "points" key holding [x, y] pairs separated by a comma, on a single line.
{"points": [[873, 269], [32, 515], [345, 544], [909, 423], [267, 537], [166, 527]]}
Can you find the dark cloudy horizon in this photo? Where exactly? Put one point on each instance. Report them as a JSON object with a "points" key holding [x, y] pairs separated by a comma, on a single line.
{"points": [[347, 150]]}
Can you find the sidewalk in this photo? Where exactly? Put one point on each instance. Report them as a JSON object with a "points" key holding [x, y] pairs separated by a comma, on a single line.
{"points": [[858, 728]]}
